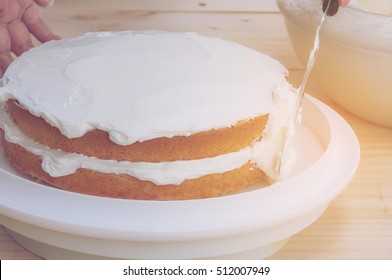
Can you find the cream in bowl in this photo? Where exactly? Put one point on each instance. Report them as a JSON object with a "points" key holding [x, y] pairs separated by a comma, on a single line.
{"points": [[354, 64]]}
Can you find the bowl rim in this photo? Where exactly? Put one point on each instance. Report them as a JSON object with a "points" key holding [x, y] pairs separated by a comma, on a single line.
{"points": [[376, 30], [366, 12]]}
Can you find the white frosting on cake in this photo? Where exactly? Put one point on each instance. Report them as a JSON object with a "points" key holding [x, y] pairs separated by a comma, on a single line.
{"points": [[140, 85], [148, 84], [279, 131]]}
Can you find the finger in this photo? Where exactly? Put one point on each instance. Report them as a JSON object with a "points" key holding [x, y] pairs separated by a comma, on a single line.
{"points": [[20, 37], [37, 26], [5, 61], [5, 46], [3, 7], [44, 3]]}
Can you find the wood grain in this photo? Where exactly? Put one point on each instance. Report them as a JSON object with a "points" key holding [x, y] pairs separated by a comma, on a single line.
{"points": [[263, 32], [220, 6]]}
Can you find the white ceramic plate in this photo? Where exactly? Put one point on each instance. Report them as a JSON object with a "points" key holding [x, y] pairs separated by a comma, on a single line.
{"points": [[253, 224]]}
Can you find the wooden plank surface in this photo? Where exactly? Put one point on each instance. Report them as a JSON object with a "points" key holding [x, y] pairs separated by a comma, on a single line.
{"points": [[251, 6], [263, 32], [358, 223]]}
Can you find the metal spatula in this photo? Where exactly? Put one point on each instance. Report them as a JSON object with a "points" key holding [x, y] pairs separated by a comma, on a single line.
{"points": [[330, 7]]}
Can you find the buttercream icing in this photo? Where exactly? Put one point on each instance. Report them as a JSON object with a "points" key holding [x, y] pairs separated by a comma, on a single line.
{"points": [[140, 85], [263, 153]]}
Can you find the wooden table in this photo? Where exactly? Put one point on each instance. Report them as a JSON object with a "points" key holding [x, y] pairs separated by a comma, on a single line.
{"points": [[358, 223]]}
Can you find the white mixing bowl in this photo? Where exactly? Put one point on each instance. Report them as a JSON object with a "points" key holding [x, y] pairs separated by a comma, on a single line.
{"points": [[354, 63]]}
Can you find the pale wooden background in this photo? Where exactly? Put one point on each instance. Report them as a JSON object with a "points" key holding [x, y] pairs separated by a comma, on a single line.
{"points": [[358, 223]]}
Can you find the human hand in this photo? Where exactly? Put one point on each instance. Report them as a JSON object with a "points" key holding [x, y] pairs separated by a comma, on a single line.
{"points": [[19, 19]]}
